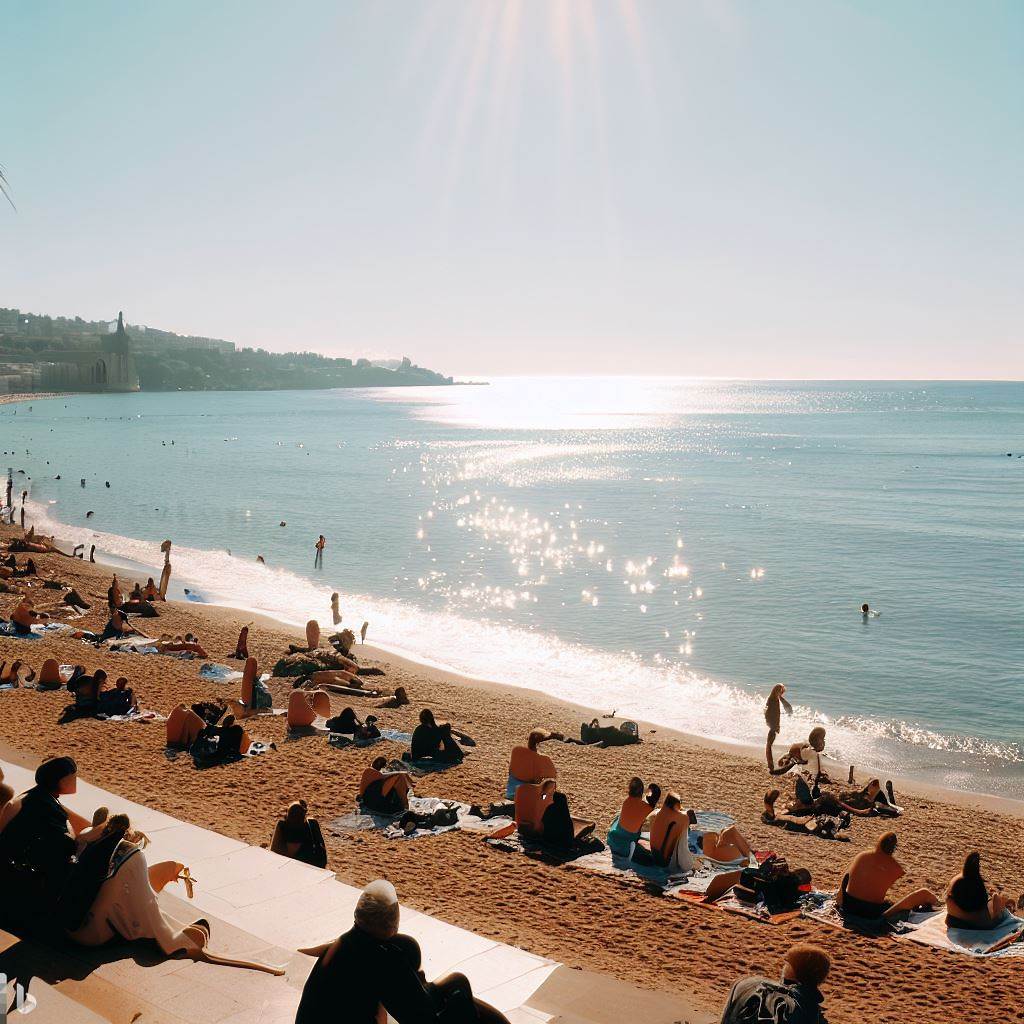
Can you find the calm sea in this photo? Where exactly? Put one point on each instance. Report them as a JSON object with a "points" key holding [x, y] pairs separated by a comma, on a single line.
{"points": [[665, 548]]}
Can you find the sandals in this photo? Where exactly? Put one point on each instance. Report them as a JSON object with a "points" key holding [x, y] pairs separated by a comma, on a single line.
{"points": [[188, 881]]}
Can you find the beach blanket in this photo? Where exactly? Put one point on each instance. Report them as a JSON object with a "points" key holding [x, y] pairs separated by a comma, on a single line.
{"points": [[515, 843], [930, 929], [7, 630], [420, 767], [821, 907], [363, 820], [219, 673], [342, 740], [134, 716], [604, 862], [732, 905]]}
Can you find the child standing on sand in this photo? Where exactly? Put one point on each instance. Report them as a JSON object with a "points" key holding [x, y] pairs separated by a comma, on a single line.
{"points": [[773, 718]]}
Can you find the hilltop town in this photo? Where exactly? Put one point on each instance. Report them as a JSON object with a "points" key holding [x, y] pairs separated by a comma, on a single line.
{"points": [[41, 353]]}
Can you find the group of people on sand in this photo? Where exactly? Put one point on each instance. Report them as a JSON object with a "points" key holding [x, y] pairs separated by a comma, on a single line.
{"points": [[92, 694]]}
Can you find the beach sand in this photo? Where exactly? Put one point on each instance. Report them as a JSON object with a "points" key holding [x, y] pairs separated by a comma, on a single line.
{"points": [[584, 920]]}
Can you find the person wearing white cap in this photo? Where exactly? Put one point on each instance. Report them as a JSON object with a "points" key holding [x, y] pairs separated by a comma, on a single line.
{"points": [[372, 971]]}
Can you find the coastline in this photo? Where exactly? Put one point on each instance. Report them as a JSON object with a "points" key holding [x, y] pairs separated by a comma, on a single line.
{"points": [[23, 397], [570, 915], [435, 670]]}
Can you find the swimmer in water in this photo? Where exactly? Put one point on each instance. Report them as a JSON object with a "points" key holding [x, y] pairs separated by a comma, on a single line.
{"points": [[867, 612], [335, 612], [261, 560]]}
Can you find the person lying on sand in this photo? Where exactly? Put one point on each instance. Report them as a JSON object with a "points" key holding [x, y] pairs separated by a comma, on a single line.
{"points": [[397, 700], [824, 817], [373, 971], [436, 741], [178, 645], [75, 601], [299, 837], [870, 801], [527, 764], [121, 700], [11, 675], [628, 825], [796, 1000], [869, 878], [87, 690], [384, 792], [968, 903], [25, 616], [725, 846]]}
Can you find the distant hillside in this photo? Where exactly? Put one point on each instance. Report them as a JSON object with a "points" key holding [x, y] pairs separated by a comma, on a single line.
{"points": [[36, 351]]}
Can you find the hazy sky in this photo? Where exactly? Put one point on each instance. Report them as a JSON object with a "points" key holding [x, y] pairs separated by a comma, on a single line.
{"points": [[763, 189]]}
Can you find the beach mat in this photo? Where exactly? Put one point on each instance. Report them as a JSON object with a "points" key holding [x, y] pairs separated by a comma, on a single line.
{"points": [[362, 820], [821, 907], [341, 740], [514, 843], [731, 905], [143, 717], [604, 862], [929, 929]]}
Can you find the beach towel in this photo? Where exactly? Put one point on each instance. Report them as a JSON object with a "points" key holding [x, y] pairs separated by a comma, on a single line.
{"points": [[342, 740], [133, 716], [732, 905], [7, 629], [821, 907], [363, 820], [516, 843], [219, 673], [930, 929], [428, 767]]}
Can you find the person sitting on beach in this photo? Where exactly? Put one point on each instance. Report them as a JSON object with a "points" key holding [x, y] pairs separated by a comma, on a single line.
{"points": [[558, 828], [796, 1000], [773, 718], [968, 903], [299, 837], [254, 695], [241, 646], [151, 592], [87, 689], [232, 740], [807, 757], [304, 707], [526, 764], [49, 675], [669, 845], [184, 727], [118, 626], [114, 595], [119, 701], [868, 880], [25, 616], [136, 594], [372, 971], [435, 741], [384, 792], [629, 822]]}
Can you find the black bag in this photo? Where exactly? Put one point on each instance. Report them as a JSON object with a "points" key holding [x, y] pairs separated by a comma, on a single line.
{"points": [[759, 1001]]}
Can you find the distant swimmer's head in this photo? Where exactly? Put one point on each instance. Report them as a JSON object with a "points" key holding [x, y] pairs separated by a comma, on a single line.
{"points": [[864, 609], [817, 738]]}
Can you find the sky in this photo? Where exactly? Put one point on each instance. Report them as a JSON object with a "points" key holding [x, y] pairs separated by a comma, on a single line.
{"points": [[789, 189]]}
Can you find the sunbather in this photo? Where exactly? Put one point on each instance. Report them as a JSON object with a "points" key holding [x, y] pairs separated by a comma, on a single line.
{"points": [[254, 695], [869, 801], [11, 675], [435, 741], [114, 595], [372, 971], [118, 626], [629, 822], [241, 645], [559, 829], [184, 727], [669, 842], [968, 903], [304, 707], [232, 739], [725, 846], [397, 700], [823, 817], [384, 792], [299, 837], [526, 764], [807, 758], [870, 877], [25, 616], [797, 1000], [87, 689], [179, 645], [121, 700], [151, 592]]}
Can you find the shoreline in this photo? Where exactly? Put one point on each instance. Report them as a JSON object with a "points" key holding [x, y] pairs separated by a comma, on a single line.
{"points": [[435, 669], [566, 914], [14, 397]]}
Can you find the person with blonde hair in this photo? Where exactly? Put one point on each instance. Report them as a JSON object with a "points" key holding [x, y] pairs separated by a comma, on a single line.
{"points": [[795, 999]]}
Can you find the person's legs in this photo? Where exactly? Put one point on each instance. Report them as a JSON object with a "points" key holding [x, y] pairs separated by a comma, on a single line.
{"points": [[459, 1006], [770, 757], [450, 752], [321, 703], [918, 899], [400, 783], [735, 839]]}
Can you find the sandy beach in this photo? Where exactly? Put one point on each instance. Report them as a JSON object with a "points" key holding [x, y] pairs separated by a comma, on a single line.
{"points": [[582, 919]]}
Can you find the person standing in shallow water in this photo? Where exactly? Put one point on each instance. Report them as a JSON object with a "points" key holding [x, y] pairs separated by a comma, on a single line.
{"points": [[318, 558], [362, 632], [335, 611], [773, 718]]}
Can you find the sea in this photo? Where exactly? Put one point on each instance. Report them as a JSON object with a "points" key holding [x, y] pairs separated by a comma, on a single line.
{"points": [[666, 549]]}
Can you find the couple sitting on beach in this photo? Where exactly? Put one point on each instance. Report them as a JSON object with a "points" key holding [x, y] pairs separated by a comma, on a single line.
{"points": [[866, 884], [669, 843], [195, 730], [91, 698]]}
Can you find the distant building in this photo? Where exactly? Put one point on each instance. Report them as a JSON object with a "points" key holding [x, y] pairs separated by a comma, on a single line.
{"points": [[108, 364]]}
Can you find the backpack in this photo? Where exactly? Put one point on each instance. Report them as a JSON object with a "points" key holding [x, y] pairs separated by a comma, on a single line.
{"points": [[760, 1001]]}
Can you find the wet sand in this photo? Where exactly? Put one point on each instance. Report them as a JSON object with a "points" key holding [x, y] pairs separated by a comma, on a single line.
{"points": [[581, 919]]}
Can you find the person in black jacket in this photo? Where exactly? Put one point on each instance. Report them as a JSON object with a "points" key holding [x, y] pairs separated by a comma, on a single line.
{"points": [[796, 999], [372, 965]]}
